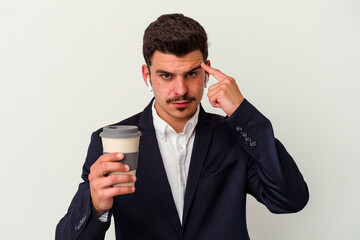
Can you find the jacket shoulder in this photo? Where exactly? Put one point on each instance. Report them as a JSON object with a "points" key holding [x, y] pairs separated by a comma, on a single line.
{"points": [[133, 120], [215, 117], [212, 118]]}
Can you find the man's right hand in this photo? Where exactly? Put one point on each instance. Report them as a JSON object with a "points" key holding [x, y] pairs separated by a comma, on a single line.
{"points": [[101, 189]]}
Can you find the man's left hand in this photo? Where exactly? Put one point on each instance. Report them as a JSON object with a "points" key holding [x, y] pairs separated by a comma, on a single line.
{"points": [[224, 94]]}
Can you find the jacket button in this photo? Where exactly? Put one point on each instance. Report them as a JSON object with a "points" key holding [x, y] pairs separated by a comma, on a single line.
{"points": [[252, 143], [238, 128], [244, 134], [247, 139]]}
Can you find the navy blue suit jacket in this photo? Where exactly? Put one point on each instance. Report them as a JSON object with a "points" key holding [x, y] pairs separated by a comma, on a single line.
{"points": [[231, 157]]}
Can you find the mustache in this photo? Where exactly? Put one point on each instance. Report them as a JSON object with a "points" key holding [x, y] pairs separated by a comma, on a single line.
{"points": [[181, 98]]}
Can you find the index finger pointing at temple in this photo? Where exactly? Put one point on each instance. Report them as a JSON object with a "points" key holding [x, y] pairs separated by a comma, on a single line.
{"points": [[215, 72]]}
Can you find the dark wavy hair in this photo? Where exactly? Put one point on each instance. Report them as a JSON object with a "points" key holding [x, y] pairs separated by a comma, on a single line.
{"points": [[175, 34]]}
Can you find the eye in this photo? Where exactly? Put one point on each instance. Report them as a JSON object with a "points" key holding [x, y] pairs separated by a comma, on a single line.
{"points": [[191, 74], [166, 76]]}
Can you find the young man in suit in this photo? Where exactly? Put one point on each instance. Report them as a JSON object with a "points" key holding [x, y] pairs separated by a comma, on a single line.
{"points": [[195, 168]]}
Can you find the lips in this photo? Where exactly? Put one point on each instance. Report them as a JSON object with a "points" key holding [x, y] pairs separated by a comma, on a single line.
{"points": [[181, 104]]}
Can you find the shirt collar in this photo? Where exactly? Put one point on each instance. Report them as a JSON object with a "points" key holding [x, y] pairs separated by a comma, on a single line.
{"points": [[162, 128]]}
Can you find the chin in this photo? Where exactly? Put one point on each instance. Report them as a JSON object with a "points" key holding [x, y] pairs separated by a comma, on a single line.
{"points": [[184, 113], [181, 109]]}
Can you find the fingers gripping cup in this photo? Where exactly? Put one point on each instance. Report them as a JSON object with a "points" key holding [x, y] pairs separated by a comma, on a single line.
{"points": [[125, 139]]}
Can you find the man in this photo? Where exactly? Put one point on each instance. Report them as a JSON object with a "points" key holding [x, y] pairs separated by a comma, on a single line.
{"points": [[194, 168]]}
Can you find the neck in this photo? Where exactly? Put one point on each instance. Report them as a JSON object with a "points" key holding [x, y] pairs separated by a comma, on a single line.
{"points": [[178, 126]]}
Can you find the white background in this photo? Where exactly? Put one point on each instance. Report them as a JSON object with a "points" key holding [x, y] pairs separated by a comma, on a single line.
{"points": [[70, 67]]}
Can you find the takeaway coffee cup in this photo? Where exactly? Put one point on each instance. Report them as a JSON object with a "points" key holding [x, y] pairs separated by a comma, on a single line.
{"points": [[125, 139]]}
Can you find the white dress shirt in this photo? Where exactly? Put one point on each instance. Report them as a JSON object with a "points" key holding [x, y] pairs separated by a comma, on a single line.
{"points": [[176, 149]]}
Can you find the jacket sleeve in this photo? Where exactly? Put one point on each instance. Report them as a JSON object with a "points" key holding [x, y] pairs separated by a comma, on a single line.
{"points": [[80, 222], [273, 177]]}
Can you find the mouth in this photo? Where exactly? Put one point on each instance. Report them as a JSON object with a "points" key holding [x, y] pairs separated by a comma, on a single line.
{"points": [[181, 104]]}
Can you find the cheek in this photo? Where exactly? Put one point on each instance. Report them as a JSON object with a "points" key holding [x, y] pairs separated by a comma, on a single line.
{"points": [[198, 87], [161, 90]]}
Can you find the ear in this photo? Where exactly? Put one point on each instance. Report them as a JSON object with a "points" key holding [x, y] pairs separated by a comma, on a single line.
{"points": [[146, 73], [208, 63]]}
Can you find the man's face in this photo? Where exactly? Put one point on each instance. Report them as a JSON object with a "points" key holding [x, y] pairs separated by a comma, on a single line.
{"points": [[178, 84]]}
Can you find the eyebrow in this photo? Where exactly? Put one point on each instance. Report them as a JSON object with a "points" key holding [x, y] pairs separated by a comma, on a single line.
{"points": [[194, 69], [166, 72]]}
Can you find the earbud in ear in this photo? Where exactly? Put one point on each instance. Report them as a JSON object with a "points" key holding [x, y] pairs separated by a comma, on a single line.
{"points": [[148, 83], [206, 80]]}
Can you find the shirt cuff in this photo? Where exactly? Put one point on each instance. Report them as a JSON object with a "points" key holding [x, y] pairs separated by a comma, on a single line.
{"points": [[104, 217]]}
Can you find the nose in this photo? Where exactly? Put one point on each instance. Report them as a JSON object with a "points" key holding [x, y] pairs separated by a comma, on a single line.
{"points": [[180, 87]]}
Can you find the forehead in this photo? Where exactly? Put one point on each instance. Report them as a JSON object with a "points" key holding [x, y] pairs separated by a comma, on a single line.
{"points": [[174, 64]]}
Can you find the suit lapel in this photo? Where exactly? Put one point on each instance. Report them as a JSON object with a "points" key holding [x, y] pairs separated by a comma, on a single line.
{"points": [[203, 136], [154, 165]]}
